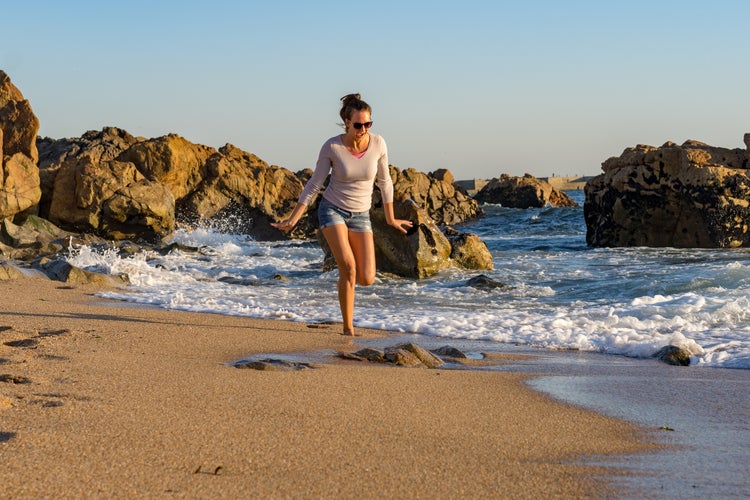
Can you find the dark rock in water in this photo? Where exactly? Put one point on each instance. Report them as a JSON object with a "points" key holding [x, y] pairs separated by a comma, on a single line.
{"points": [[523, 192], [271, 364], [468, 251], [689, 196], [449, 352], [239, 281], [673, 355], [167, 249], [484, 282]]}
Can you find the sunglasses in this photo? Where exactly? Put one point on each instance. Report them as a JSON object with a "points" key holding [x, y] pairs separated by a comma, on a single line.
{"points": [[358, 125]]}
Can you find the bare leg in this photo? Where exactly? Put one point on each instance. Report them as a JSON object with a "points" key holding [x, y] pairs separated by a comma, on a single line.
{"points": [[338, 239], [355, 257]]}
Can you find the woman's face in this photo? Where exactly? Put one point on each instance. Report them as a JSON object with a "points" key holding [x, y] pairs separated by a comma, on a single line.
{"points": [[359, 117]]}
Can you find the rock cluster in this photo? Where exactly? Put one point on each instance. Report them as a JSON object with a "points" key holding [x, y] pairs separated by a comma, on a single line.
{"points": [[523, 192], [406, 354], [689, 195], [116, 186]]}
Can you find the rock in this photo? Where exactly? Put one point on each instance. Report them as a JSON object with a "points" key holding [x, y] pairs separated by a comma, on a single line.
{"points": [[111, 198], [402, 357], [98, 146], [10, 272], [484, 282], [468, 251], [523, 192], [18, 123], [673, 355], [422, 252], [425, 249], [423, 355], [19, 185], [19, 174], [246, 194], [32, 239], [61, 270], [693, 195], [369, 354], [435, 193], [171, 160], [449, 352], [747, 148], [273, 365]]}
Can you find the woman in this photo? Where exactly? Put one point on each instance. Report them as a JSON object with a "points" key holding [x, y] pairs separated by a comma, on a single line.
{"points": [[354, 159]]}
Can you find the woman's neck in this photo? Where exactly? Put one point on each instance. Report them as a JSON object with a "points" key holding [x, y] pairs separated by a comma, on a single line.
{"points": [[356, 144]]}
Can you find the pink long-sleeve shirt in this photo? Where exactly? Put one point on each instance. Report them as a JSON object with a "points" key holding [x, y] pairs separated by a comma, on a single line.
{"points": [[352, 178]]}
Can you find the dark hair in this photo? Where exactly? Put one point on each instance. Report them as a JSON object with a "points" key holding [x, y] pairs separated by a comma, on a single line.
{"points": [[352, 103]]}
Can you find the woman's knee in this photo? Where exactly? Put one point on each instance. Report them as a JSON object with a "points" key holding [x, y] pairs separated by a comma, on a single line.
{"points": [[366, 279], [348, 270]]}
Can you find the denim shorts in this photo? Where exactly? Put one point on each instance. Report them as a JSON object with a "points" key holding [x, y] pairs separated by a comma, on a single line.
{"points": [[330, 215]]}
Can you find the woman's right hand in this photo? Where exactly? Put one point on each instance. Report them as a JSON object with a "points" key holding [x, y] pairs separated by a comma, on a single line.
{"points": [[285, 225]]}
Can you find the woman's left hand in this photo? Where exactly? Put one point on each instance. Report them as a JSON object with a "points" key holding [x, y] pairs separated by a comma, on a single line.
{"points": [[401, 224]]}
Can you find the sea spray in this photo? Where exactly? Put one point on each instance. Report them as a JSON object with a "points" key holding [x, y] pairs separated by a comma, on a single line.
{"points": [[561, 294]]}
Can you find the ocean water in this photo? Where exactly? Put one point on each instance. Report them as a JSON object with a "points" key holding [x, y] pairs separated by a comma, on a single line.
{"points": [[561, 294]]}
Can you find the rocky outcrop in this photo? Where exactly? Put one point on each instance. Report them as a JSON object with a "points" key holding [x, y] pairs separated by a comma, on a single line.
{"points": [[693, 195], [19, 124], [437, 194], [425, 249], [110, 198], [523, 192], [241, 188], [19, 175], [171, 160]]}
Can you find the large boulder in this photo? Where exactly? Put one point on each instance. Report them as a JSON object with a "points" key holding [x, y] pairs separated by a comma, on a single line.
{"points": [[104, 145], [437, 194], [19, 175], [171, 160], [244, 191], [17, 121], [523, 192], [425, 250], [110, 198], [693, 195]]}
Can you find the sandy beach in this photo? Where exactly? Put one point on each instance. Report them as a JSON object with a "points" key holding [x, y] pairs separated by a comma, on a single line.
{"points": [[102, 399]]}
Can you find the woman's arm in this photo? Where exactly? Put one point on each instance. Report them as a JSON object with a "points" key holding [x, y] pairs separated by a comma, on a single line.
{"points": [[291, 221]]}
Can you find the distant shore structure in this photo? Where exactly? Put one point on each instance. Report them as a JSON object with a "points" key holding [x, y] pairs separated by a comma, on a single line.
{"points": [[561, 183]]}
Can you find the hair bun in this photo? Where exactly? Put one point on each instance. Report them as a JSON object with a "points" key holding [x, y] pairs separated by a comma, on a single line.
{"points": [[348, 98]]}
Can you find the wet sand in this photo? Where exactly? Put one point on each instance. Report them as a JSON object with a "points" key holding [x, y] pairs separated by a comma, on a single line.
{"points": [[99, 399]]}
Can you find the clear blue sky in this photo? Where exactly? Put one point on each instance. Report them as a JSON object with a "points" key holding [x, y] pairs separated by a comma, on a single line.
{"points": [[478, 87]]}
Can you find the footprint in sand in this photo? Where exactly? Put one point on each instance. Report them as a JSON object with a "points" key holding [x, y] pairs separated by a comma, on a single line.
{"points": [[14, 379], [22, 343], [6, 436]]}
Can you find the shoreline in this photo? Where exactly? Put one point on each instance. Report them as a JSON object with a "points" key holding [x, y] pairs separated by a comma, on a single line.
{"points": [[124, 401]]}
